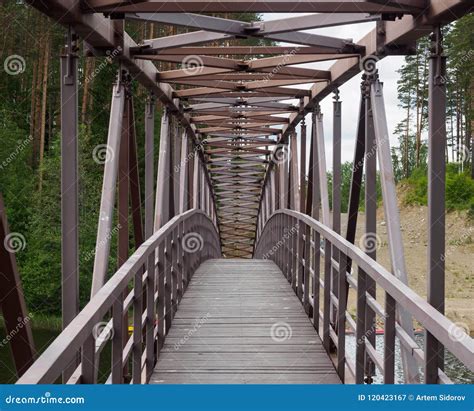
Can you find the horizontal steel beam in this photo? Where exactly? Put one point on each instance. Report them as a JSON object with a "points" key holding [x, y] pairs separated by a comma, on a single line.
{"points": [[254, 6]]}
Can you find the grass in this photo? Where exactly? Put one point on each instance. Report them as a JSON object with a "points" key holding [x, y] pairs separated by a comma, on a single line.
{"points": [[41, 322]]}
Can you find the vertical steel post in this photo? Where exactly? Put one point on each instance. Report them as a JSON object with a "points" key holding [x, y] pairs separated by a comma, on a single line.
{"points": [[69, 189], [183, 175], [434, 351], [352, 215], [123, 184], [196, 181], [370, 239], [303, 166], [336, 165], [336, 188], [134, 180], [123, 200], [149, 213], [149, 166], [323, 180], [162, 199], [313, 210]]}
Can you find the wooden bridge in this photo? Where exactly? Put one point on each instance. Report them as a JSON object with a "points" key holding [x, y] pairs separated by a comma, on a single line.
{"points": [[242, 269]]}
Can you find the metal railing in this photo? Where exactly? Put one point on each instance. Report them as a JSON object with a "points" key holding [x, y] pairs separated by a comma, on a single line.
{"points": [[145, 291], [301, 247]]}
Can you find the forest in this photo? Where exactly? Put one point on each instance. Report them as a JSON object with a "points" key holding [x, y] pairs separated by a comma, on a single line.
{"points": [[30, 136]]}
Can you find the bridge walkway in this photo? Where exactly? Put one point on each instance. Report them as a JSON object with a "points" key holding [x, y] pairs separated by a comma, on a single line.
{"points": [[240, 322]]}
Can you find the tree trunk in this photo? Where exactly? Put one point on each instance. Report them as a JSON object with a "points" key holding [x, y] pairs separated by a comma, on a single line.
{"points": [[43, 107], [406, 165]]}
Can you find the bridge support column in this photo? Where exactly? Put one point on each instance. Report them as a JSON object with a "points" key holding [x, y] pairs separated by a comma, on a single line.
{"points": [[336, 188], [395, 242], [162, 201], [149, 212], [312, 209], [369, 240], [69, 189], [352, 214], [434, 351]]}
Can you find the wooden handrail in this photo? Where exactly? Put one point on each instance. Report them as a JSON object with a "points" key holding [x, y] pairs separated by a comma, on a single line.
{"points": [[431, 319], [49, 366]]}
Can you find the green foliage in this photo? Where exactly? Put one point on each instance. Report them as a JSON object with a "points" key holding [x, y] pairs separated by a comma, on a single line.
{"points": [[346, 176], [418, 187], [16, 175], [459, 189]]}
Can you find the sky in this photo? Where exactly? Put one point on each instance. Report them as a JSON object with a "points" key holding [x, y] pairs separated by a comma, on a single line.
{"points": [[350, 91]]}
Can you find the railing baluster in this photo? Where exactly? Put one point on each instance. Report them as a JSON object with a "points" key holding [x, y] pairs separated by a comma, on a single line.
{"points": [[294, 253], [327, 295], [160, 279], [117, 340], [168, 286], [306, 270], [361, 326], [316, 277], [299, 265], [341, 318], [179, 263], [389, 340], [137, 328], [88, 366], [150, 315], [174, 273]]}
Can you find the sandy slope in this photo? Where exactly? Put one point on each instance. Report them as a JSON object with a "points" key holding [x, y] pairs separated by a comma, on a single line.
{"points": [[459, 258]]}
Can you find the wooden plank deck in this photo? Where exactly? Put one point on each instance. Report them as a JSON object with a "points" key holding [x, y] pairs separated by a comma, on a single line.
{"points": [[240, 322]]}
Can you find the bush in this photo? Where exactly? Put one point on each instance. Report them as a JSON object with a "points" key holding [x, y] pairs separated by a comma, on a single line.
{"points": [[459, 189], [417, 192]]}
